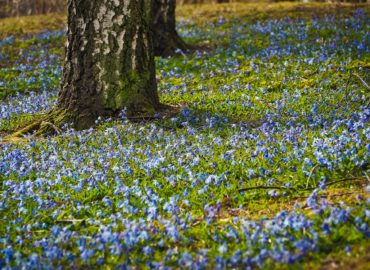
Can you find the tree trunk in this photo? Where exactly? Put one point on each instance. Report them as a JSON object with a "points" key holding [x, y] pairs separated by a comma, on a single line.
{"points": [[109, 62], [166, 39]]}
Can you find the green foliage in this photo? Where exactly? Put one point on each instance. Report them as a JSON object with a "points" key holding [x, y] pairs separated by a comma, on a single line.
{"points": [[277, 97]]}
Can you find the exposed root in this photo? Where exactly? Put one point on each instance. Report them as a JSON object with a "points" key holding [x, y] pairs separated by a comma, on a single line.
{"points": [[49, 123], [54, 127], [27, 129]]}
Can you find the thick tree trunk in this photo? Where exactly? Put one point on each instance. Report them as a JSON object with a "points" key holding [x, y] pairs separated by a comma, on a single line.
{"points": [[166, 39], [109, 61]]}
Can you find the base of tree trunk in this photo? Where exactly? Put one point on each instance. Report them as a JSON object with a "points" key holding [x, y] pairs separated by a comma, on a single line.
{"points": [[49, 123], [165, 37], [53, 122], [169, 45]]}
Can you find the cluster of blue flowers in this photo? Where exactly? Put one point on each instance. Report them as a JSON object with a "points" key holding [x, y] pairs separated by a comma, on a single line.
{"points": [[174, 193], [34, 70]]}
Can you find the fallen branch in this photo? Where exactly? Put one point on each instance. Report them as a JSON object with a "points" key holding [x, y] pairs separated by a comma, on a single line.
{"points": [[344, 180], [330, 195], [142, 118], [266, 187]]}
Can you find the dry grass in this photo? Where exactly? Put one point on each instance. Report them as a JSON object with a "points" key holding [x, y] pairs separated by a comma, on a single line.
{"points": [[21, 26], [256, 11], [25, 25]]}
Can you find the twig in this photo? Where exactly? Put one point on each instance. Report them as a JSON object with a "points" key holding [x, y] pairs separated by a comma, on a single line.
{"points": [[361, 80], [70, 220], [343, 180], [346, 88], [265, 187], [311, 172], [330, 195], [333, 182]]}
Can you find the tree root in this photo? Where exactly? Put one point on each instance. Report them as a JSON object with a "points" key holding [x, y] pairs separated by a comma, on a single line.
{"points": [[27, 129], [47, 124], [51, 123]]}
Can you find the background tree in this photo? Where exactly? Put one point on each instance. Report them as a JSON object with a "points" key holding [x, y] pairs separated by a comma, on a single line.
{"points": [[166, 38]]}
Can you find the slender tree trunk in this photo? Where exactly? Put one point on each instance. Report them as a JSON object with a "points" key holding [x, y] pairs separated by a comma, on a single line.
{"points": [[166, 39], [109, 62]]}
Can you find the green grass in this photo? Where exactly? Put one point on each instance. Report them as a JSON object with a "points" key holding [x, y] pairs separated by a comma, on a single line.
{"points": [[26, 25], [233, 85]]}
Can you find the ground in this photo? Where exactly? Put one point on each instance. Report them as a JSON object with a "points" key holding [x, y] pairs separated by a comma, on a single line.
{"points": [[266, 166]]}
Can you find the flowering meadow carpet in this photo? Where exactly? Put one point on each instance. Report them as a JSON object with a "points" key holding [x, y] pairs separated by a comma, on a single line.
{"points": [[266, 166]]}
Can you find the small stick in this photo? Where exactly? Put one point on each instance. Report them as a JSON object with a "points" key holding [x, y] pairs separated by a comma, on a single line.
{"points": [[311, 172], [330, 195], [70, 220], [344, 180], [346, 89], [361, 80], [264, 187]]}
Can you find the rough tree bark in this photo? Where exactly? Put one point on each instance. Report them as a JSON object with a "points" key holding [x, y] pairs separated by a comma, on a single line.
{"points": [[166, 38], [109, 62]]}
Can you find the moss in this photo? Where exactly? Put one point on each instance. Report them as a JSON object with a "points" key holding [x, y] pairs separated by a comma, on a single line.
{"points": [[125, 84], [129, 93], [125, 88], [49, 123]]}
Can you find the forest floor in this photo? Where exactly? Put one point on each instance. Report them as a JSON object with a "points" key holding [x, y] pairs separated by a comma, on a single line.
{"points": [[266, 166]]}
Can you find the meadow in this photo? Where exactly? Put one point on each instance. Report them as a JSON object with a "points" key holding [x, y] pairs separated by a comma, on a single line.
{"points": [[266, 166]]}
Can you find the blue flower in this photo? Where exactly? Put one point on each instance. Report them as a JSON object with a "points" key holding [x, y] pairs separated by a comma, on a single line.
{"points": [[223, 248]]}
